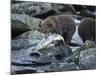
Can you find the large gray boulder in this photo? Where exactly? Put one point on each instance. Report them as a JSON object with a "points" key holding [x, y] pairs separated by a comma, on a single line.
{"points": [[42, 9], [87, 59], [63, 67], [76, 53], [31, 8], [26, 40], [23, 23]]}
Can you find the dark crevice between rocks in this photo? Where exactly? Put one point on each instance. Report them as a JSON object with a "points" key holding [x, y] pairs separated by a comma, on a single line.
{"points": [[58, 57], [73, 44], [45, 15], [15, 32], [15, 1], [35, 54], [27, 71], [35, 64]]}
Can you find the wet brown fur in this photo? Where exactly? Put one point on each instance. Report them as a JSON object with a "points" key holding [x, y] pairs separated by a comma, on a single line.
{"points": [[87, 29], [61, 24]]}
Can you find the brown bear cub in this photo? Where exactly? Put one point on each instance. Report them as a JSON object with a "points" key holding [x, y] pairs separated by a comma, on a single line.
{"points": [[87, 29], [61, 24]]}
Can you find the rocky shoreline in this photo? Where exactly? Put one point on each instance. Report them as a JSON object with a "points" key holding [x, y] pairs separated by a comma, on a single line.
{"points": [[31, 52]]}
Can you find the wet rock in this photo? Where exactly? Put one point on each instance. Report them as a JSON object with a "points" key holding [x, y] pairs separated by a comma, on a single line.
{"points": [[64, 67], [53, 54], [88, 59], [26, 40], [22, 23], [31, 8], [63, 8], [22, 70], [31, 35], [75, 55], [87, 44], [42, 10], [41, 58], [21, 56], [26, 56], [60, 51], [57, 53], [28, 69], [23, 43], [81, 7], [87, 13], [58, 9]]}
